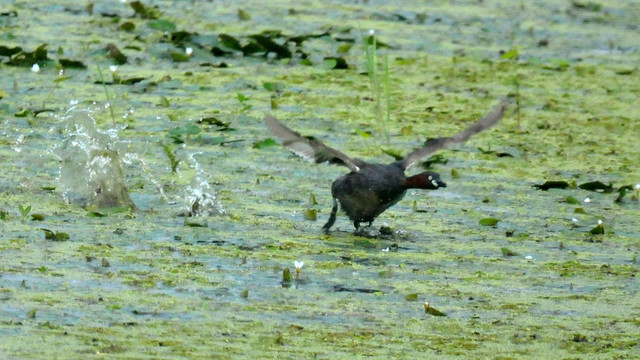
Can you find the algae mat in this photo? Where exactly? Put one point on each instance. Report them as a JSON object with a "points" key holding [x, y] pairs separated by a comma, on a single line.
{"points": [[124, 92]]}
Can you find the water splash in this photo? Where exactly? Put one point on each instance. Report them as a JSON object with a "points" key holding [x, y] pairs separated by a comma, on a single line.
{"points": [[91, 170], [200, 198]]}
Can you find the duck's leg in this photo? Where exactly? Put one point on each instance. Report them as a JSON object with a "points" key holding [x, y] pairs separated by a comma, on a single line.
{"points": [[332, 217]]}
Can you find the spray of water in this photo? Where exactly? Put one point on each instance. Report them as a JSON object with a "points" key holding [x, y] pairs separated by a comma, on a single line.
{"points": [[91, 170], [200, 198]]}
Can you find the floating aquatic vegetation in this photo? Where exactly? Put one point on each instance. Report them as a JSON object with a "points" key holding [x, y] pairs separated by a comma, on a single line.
{"points": [[91, 169], [553, 184]]}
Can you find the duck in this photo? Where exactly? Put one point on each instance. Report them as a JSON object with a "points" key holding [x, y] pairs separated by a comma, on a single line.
{"points": [[369, 189]]}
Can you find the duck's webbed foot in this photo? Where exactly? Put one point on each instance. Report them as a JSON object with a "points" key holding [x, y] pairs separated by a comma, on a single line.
{"points": [[332, 217]]}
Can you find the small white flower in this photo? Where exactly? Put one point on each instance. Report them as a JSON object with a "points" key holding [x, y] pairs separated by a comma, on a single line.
{"points": [[123, 1], [61, 72], [372, 32], [528, 257], [574, 220], [188, 51], [113, 68], [599, 222], [385, 250], [587, 200], [35, 68], [637, 186]]}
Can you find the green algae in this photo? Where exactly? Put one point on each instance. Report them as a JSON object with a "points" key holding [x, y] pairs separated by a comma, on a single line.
{"points": [[142, 285]]}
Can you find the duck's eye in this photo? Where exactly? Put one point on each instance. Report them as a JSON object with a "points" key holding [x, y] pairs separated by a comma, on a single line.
{"points": [[430, 177]]}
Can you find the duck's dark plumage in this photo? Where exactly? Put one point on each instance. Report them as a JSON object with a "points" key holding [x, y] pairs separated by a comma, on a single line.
{"points": [[370, 189]]}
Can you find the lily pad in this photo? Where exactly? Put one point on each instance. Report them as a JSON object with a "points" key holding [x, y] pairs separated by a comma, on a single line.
{"points": [[489, 222], [554, 184], [597, 186]]}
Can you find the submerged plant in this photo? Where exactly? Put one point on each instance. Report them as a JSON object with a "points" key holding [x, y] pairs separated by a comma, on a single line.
{"points": [[24, 211], [107, 95], [170, 151], [298, 265], [378, 82]]}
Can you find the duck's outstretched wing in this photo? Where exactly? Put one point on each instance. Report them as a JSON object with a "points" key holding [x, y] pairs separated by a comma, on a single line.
{"points": [[309, 149], [440, 143]]}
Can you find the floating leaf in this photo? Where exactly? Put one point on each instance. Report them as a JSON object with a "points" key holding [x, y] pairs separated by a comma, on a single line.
{"points": [[193, 223], [162, 25], [37, 217], [311, 215], [511, 54], [27, 59], [22, 113], [274, 86], [587, 6], [271, 46], [552, 185], [344, 48], [486, 152], [338, 62], [214, 121], [128, 26], [75, 64], [242, 98], [116, 54], [264, 143], [489, 222], [411, 297], [432, 311], [40, 53], [393, 153], [60, 79], [622, 191], [286, 276], [230, 42], [32, 314], [9, 52], [507, 252], [188, 130], [57, 236], [252, 48], [598, 230], [435, 159], [626, 71], [329, 64], [298, 40], [180, 56], [571, 200], [243, 15], [341, 288], [96, 214], [557, 64], [596, 186], [144, 11]]}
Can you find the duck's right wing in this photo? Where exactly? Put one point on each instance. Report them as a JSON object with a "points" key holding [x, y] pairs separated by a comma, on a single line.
{"points": [[440, 143], [309, 149]]}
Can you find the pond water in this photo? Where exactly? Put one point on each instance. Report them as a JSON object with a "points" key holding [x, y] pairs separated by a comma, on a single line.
{"points": [[123, 272]]}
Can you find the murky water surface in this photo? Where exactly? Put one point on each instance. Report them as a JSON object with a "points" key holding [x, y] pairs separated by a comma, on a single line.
{"points": [[138, 278]]}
